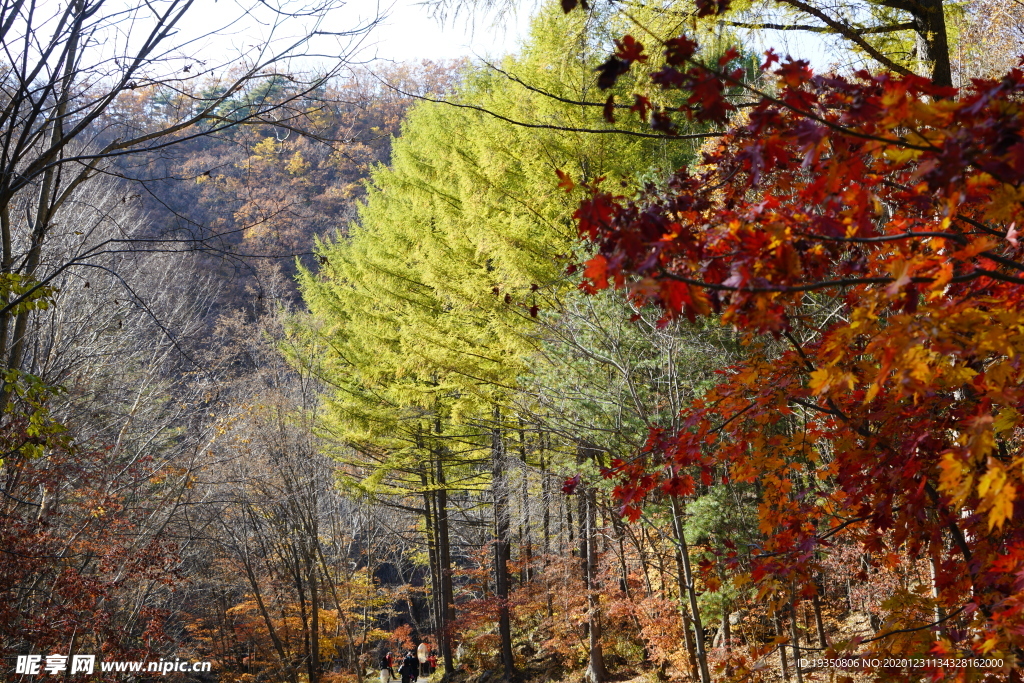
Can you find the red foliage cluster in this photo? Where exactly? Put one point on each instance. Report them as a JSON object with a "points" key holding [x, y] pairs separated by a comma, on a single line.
{"points": [[75, 558], [866, 228]]}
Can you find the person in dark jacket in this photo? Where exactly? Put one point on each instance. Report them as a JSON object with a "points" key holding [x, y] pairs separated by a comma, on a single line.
{"points": [[387, 664], [410, 669]]}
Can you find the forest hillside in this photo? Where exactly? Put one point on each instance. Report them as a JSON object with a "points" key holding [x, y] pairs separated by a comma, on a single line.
{"points": [[649, 352]]}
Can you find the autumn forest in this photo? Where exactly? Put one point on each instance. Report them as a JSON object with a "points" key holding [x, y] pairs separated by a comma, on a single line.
{"points": [[685, 342]]}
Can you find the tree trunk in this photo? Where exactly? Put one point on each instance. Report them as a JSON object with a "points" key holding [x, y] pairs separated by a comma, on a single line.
{"points": [[546, 495], [431, 528], [795, 637], [819, 623], [314, 613], [444, 558], [939, 613], [524, 527], [686, 588], [545, 488], [782, 647], [6, 263], [595, 665], [502, 547], [929, 21], [568, 525], [279, 645]]}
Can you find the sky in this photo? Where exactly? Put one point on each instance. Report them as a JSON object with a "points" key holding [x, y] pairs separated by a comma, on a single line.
{"points": [[409, 33], [218, 33]]}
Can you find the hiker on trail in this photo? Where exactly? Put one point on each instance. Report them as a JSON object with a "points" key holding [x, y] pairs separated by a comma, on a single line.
{"points": [[387, 671], [410, 669]]}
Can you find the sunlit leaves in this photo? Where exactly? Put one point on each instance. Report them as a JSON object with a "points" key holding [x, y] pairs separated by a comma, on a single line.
{"points": [[868, 225]]}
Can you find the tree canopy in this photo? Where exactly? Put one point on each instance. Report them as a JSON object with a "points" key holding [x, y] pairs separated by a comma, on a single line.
{"points": [[867, 223]]}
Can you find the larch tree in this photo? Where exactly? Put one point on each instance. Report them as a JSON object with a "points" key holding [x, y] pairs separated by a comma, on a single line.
{"points": [[426, 310]]}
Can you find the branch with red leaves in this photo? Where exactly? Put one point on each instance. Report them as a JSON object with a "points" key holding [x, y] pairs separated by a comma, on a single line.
{"points": [[893, 204]]}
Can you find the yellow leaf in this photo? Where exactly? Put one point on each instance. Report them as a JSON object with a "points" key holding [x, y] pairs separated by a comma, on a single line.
{"points": [[992, 479], [951, 478], [901, 156], [1007, 419], [959, 374], [998, 376], [1002, 506], [820, 381], [872, 391]]}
